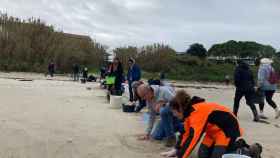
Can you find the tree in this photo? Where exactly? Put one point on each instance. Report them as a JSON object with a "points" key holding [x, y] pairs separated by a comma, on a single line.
{"points": [[197, 50], [124, 53], [278, 54], [241, 49], [30, 45]]}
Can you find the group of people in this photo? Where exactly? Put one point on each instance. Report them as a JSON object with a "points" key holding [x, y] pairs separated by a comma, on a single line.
{"points": [[77, 71], [115, 70], [193, 118], [256, 92]]}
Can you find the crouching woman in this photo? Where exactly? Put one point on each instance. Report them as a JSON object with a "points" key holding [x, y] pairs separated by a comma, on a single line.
{"points": [[216, 122]]}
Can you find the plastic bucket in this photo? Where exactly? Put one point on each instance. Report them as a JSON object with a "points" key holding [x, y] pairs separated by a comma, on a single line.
{"points": [[235, 156], [116, 101]]}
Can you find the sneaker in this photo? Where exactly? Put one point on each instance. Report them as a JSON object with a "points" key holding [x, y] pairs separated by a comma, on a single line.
{"points": [[170, 142], [256, 150], [262, 116], [170, 153], [277, 113], [256, 120]]}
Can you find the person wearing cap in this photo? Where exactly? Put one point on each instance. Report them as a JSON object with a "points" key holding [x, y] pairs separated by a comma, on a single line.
{"points": [[133, 74], [266, 86]]}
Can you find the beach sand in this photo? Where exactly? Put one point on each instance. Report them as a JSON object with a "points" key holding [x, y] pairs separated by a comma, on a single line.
{"points": [[62, 119]]}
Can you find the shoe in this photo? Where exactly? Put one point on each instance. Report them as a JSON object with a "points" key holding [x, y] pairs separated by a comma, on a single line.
{"points": [[262, 116], [170, 153], [256, 115], [256, 119], [256, 150], [277, 113], [170, 142]]}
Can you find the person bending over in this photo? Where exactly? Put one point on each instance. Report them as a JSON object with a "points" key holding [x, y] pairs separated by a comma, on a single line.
{"points": [[220, 126]]}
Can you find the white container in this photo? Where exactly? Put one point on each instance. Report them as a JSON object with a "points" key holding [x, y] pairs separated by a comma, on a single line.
{"points": [[234, 156], [116, 101]]}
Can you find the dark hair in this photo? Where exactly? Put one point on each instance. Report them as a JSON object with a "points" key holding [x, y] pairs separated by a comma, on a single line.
{"points": [[180, 101]]}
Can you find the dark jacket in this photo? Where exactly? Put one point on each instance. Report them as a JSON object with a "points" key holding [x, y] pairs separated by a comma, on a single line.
{"points": [[243, 78], [134, 73], [76, 69], [51, 68], [118, 73]]}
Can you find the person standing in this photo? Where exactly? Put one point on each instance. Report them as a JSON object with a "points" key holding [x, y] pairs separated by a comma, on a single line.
{"points": [[102, 72], [51, 69], [76, 71], [245, 86], [133, 74], [85, 74], [116, 70], [267, 86]]}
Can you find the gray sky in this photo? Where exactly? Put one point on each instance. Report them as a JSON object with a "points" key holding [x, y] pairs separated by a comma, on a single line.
{"points": [[178, 23]]}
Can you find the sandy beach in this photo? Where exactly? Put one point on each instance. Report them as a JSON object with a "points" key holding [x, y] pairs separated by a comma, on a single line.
{"points": [[62, 119]]}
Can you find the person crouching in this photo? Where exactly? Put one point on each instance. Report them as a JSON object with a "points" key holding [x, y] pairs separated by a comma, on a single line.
{"points": [[220, 126]]}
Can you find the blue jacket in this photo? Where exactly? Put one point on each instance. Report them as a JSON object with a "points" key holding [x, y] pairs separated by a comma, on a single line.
{"points": [[134, 73]]}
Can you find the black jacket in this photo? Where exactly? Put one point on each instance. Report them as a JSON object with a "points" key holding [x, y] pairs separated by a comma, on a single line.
{"points": [[243, 78]]}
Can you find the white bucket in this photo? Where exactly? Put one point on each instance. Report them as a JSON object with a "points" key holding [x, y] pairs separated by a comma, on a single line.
{"points": [[234, 156], [116, 101]]}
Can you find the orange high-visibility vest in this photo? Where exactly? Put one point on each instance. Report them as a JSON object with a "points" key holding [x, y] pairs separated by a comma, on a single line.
{"points": [[217, 122]]}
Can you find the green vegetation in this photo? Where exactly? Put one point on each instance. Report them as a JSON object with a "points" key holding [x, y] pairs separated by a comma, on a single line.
{"points": [[242, 49], [197, 50], [192, 65], [31, 45]]}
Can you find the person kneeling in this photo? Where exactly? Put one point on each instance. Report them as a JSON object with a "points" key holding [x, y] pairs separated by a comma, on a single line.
{"points": [[220, 126]]}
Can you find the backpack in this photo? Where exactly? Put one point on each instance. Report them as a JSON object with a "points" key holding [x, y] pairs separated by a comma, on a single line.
{"points": [[273, 77]]}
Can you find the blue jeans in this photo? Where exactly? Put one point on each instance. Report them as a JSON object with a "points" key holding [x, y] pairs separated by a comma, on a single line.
{"points": [[167, 126]]}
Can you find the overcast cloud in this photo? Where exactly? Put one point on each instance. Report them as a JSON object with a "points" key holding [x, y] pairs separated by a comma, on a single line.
{"points": [[178, 23]]}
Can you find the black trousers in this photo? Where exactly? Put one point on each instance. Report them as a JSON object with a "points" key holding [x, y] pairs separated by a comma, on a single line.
{"points": [[131, 95], [213, 152], [239, 94], [216, 151], [268, 97]]}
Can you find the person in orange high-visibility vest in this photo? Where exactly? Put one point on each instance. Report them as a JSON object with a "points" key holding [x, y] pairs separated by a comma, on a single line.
{"points": [[216, 122]]}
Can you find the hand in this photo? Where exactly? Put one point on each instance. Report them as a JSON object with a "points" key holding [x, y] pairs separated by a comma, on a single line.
{"points": [[144, 137]]}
